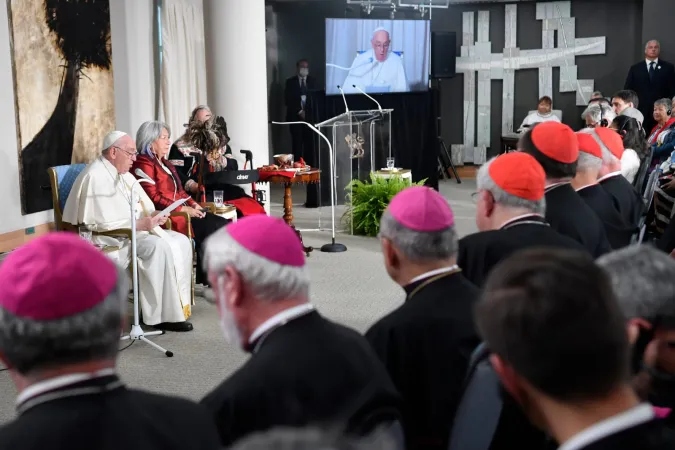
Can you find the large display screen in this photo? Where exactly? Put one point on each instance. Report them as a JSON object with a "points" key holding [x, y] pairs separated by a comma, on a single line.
{"points": [[377, 56]]}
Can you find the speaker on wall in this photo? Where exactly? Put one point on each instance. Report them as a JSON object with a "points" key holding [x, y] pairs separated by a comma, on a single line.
{"points": [[443, 54]]}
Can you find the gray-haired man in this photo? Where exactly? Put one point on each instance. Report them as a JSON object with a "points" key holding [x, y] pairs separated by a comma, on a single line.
{"points": [[651, 79], [425, 343], [62, 307], [643, 279]]}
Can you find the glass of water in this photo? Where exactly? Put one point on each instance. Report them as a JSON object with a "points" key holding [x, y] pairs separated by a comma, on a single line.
{"points": [[218, 198], [85, 233], [390, 163]]}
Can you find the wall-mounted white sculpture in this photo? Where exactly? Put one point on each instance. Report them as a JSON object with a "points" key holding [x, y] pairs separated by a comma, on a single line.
{"points": [[480, 66]]}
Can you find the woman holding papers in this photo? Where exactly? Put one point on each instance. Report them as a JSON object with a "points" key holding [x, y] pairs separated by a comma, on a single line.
{"points": [[153, 141]]}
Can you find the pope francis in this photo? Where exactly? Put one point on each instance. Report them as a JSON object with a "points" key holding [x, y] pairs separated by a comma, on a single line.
{"points": [[377, 70], [100, 198]]}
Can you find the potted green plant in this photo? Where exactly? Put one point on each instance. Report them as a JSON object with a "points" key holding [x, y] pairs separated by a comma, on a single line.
{"points": [[367, 201]]}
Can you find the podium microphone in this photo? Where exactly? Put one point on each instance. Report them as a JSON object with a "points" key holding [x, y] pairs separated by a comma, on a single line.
{"points": [[343, 98], [144, 176], [363, 92]]}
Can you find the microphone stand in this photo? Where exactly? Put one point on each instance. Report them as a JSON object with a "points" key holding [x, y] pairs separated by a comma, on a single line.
{"points": [[333, 247], [137, 333]]}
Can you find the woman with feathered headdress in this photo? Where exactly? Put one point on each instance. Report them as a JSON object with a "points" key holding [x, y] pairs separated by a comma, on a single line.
{"points": [[211, 153]]}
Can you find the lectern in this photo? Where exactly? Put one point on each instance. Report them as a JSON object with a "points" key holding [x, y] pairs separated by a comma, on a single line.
{"points": [[361, 143]]}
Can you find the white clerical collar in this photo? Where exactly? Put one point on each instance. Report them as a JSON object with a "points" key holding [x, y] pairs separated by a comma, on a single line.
{"points": [[280, 319], [628, 419], [434, 272], [609, 175], [552, 186], [521, 217], [51, 384], [587, 186], [649, 61]]}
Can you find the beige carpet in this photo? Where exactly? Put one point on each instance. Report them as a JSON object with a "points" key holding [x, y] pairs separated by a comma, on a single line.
{"points": [[351, 288]]}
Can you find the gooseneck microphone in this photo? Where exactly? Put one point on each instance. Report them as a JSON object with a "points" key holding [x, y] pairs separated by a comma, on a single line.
{"points": [[343, 97], [364, 93], [370, 60]]}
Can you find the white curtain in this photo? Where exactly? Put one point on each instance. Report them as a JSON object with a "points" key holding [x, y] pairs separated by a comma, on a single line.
{"points": [[346, 37], [183, 84]]}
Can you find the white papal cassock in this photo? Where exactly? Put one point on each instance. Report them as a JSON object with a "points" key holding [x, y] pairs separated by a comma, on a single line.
{"points": [[100, 198], [371, 75]]}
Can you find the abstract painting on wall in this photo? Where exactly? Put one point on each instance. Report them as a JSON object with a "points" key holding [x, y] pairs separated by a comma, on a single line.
{"points": [[63, 85]]}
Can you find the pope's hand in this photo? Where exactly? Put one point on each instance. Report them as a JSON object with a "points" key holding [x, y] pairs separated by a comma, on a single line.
{"points": [[159, 220]]}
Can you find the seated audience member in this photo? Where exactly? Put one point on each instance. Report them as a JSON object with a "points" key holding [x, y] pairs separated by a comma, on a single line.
{"points": [[658, 139], [560, 348], [635, 148], [62, 306], [589, 164], [623, 100], [644, 283], [153, 141], [510, 215], [100, 199], [183, 154], [312, 439], [556, 147], [212, 135], [598, 114], [304, 369], [626, 198], [544, 113], [426, 343]]}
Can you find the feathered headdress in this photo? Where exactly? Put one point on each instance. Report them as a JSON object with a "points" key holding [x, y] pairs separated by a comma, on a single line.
{"points": [[206, 136]]}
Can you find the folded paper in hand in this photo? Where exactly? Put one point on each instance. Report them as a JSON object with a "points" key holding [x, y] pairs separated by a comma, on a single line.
{"points": [[169, 209]]}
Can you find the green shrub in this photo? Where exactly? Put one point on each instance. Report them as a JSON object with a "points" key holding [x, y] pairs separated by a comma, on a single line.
{"points": [[367, 201]]}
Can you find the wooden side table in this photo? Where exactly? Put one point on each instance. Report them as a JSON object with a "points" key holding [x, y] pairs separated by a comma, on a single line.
{"points": [[308, 177], [509, 142], [227, 212], [406, 174]]}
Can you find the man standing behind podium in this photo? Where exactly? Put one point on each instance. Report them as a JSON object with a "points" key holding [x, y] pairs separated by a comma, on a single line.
{"points": [[651, 79], [297, 108]]}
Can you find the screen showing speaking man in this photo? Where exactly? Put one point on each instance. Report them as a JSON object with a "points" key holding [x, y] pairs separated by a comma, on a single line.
{"points": [[377, 56]]}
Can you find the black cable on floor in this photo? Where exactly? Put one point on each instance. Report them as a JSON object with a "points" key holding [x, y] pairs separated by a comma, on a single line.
{"points": [[124, 348]]}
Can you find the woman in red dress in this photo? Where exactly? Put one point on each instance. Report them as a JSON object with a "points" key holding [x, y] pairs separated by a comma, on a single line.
{"points": [[153, 141]]}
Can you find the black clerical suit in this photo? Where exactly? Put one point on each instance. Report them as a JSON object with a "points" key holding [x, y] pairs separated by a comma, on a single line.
{"points": [[306, 371], [426, 345], [660, 83], [101, 414], [301, 136], [568, 214], [619, 232], [626, 198], [480, 252]]}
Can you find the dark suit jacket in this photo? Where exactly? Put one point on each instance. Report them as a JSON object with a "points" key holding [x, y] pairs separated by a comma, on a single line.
{"points": [[626, 199], [309, 371], [662, 86], [426, 345], [292, 96], [619, 230], [112, 419]]}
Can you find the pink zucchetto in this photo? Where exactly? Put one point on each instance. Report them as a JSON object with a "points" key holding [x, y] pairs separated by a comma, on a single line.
{"points": [[55, 276], [420, 208], [270, 238]]}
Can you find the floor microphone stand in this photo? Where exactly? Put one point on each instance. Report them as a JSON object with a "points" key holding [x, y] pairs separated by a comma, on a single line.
{"points": [[445, 163], [137, 333]]}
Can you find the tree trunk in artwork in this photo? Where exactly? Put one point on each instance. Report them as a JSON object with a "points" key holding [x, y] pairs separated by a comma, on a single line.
{"points": [[52, 146]]}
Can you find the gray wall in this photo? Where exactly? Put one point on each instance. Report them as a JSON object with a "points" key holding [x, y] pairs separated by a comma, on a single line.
{"points": [[299, 33], [658, 20]]}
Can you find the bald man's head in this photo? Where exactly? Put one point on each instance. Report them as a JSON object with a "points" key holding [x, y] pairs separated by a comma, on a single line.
{"points": [[380, 43]]}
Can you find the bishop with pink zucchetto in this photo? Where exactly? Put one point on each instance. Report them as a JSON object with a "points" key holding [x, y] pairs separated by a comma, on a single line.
{"points": [[304, 369], [426, 342], [63, 306]]}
